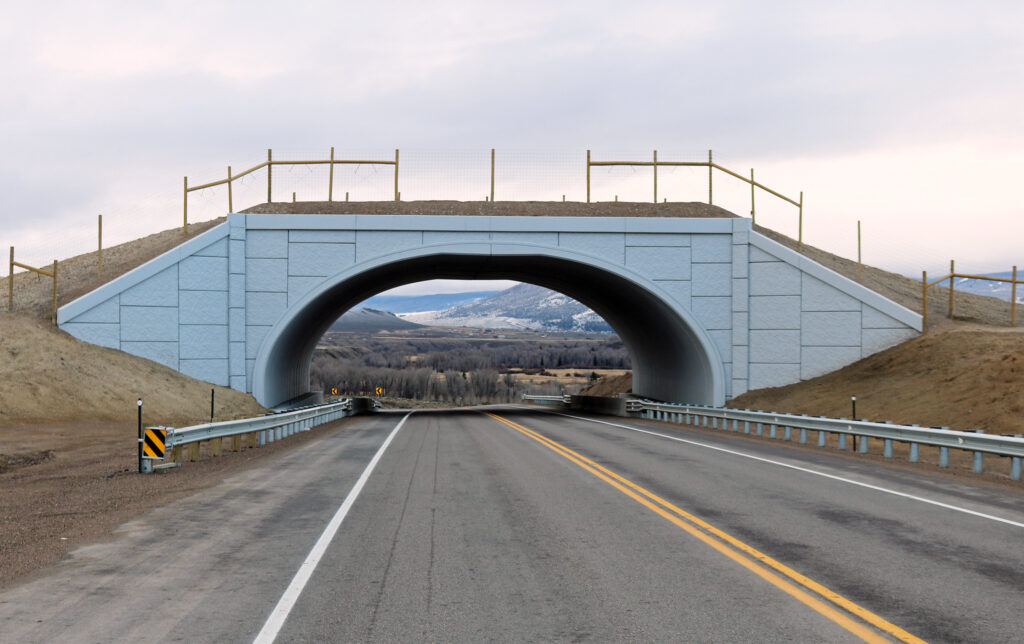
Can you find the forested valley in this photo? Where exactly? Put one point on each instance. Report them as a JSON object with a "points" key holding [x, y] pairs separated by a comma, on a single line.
{"points": [[463, 366]]}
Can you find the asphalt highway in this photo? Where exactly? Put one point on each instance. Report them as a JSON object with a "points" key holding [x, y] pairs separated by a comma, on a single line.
{"points": [[525, 525]]}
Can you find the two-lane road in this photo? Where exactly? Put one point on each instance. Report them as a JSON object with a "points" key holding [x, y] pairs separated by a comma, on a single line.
{"points": [[514, 524]]}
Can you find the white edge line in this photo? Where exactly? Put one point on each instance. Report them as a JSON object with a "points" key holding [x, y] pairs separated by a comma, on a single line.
{"points": [[291, 594], [869, 486]]}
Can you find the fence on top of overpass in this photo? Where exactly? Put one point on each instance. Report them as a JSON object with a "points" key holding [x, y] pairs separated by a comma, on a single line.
{"points": [[372, 176]]}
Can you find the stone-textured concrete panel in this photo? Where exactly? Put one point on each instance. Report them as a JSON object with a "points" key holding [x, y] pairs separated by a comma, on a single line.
{"points": [[817, 361], [323, 236], [739, 387], [264, 308], [236, 290], [253, 338], [200, 341], [777, 347], [213, 371], [740, 266], [740, 294], [149, 324], [236, 258], [819, 296], [608, 246], [203, 274], [203, 307], [712, 312], [159, 290], [775, 278], [874, 319], [541, 239], [449, 237], [299, 286], [830, 329], [236, 358], [723, 342], [757, 256], [218, 248], [108, 312], [267, 244], [105, 335], [775, 311], [875, 340], [319, 260], [660, 262], [657, 239], [740, 328], [373, 243], [772, 375], [713, 249], [678, 290], [712, 279], [236, 325], [740, 363], [266, 275], [238, 383], [166, 353]]}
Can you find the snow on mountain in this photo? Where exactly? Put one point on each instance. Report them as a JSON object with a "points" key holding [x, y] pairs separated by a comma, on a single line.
{"points": [[524, 306]]}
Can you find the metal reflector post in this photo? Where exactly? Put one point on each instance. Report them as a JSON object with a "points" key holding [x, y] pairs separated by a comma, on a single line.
{"points": [[145, 466]]}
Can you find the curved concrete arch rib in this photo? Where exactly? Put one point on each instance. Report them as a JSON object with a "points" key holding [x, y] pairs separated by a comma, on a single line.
{"points": [[673, 358]]}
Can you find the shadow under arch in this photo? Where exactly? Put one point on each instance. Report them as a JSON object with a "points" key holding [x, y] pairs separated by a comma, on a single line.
{"points": [[674, 359]]}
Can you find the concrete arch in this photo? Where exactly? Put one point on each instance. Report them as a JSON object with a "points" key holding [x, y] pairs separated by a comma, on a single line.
{"points": [[673, 356]]}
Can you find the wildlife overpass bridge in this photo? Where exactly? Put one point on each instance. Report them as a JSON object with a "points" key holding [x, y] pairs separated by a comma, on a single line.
{"points": [[707, 308]]}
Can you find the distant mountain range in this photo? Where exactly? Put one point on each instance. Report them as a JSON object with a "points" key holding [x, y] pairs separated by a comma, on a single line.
{"points": [[371, 321], [415, 303], [524, 306]]}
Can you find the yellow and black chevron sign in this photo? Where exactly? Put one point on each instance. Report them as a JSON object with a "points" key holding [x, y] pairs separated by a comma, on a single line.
{"points": [[153, 445]]}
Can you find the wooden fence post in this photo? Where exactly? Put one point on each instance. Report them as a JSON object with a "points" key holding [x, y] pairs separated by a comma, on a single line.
{"points": [[1013, 298], [588, 176], [10, 283], [753, 217], [231, 206], [655, 176], [924, 301], [952, 272], [800, 223], [710, 174], [398, 195], [330, 178], [184, 225], [54, 318], [492, 175], [99, 250], [270, 167]]}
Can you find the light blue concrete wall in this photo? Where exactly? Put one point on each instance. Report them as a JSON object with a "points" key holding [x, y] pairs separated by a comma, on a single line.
{"points": [[207, 307]]}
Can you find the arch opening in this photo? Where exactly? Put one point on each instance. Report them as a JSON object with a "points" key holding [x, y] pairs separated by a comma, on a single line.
{"points": [[673, 358]]}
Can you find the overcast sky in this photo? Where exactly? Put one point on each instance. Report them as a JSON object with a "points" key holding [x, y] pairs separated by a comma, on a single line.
{"points": [[908, 116]]}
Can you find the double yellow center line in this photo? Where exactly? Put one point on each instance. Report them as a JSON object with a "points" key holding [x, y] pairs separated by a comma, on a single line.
{"points": [[823, 600]]}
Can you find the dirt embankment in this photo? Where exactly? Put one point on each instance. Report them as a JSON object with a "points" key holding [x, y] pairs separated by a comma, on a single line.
{"points": [[963, 376]]}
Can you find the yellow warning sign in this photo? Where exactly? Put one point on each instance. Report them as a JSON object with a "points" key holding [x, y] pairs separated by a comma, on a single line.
{"points": [[380, 391], [153, 445], [334, 391]]}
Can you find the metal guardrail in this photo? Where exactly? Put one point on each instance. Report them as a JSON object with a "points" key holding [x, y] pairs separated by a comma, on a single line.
{"points": [[261, 430], [748, 421], [547, 399]]}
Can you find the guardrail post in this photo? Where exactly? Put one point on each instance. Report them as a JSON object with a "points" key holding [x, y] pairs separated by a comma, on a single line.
{"points": [[193, 452], [822, 437], [914, 452], [788, 434], [842, 441], [746, 427], [771, 431], [176, 454], [236, 443], [862, 444], [979, 457], [1015, 465], [888, 448], [216, 446], [760, 429], [943, 457], [803, 436]]}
